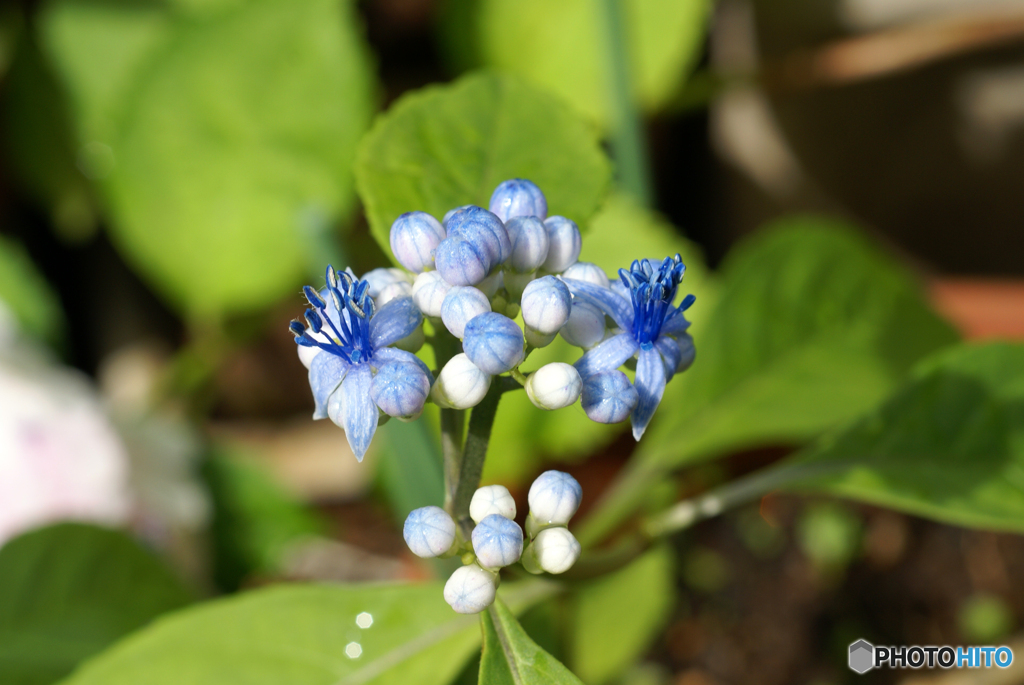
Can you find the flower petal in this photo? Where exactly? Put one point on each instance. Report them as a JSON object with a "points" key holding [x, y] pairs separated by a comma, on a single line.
{"points": [[326, 372], [608, 301], [674, 324], [611, 354], [352, 409], [394, 321], [391, 354], [650, 385], [670, 353]]}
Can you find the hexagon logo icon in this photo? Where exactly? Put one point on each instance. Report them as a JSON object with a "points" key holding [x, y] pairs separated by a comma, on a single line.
{"points": [[862, 656]]}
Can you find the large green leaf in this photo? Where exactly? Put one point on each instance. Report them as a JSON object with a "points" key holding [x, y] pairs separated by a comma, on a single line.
{"points": [[216, 136], [304, 635], [949, 445], [563, 46], [70, 590], [510, 657], [618, 616], [446, 146], [27, 295], [813, 325], [523, 435]]}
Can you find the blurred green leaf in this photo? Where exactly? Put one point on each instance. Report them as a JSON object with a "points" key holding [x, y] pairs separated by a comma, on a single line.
{"points": [[523, 435], [510, 657], [70, 590], [215, 136], [27, 295], [618, 616], [985, 619], [829, 534], [304, 635], [254, 519], [948, 446], [562, 46], [409, 467], [446, 146]]}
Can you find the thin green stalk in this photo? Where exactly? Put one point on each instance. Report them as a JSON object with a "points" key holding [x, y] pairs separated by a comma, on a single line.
{"points": [[627, 137], [453, 421]]}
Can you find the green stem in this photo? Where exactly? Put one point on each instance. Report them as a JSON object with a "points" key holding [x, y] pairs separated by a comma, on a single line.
{"points": [[628, 146], [453, 421]]}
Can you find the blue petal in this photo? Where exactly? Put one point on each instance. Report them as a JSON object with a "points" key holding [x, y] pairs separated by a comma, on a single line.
{"points": [[650, 386], [605, 299], [326, 372], [394, 321], [610, 354], [670, 353], [393, 354], [674, 324], [352, 409]]}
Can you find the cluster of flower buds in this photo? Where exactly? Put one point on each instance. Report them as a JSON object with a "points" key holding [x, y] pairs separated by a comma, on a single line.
{"points": [[497, 540]]}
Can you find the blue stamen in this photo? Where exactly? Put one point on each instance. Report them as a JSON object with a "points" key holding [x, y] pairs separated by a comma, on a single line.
{"points": [[652, 288], [349, 336]]}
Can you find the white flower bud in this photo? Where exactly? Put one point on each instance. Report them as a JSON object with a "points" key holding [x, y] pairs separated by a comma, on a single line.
{"points": [[538, 340], [515, 283], [554, 550], [529, 241], [414, 237], [460, 385], [460, 306], [492, 499], [564, 243], [428, 293], [554, 497], [470, 589], [383, 277], [546, 303], [492, 284], [585, 327], [429, 532], [554, 386], [590, 273], [392, 291]]}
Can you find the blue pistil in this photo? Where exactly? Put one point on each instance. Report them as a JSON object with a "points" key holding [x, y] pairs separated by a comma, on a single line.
{"points": [[350, 338]]}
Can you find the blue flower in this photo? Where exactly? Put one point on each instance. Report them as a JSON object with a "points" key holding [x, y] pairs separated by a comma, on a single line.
{"points": [[354, 369], [650, 325]]}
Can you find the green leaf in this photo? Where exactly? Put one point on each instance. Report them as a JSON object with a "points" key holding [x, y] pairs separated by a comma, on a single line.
{"points": [[27, 295], [510, 657], [409, 468], [446, 146], [218, 137], [618, 616], [948, 446], [562, 46], [70, 590], [304, 635], [523, 434]]}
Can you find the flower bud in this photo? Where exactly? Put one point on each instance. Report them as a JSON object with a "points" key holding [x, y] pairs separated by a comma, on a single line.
{"points": [[546, 303], [470, 589], [492, 284], [483, 230], [383, 277], [529, 241], [461, 263], [587, 272], [492, 499], [554, 497], [428, 293], [392, 291], [518, 197], [516, 283], [429, 532], [609, 397], [414, 237], [554, 550], [585, 327], [497, 541], [536, 339], [412, 342], [400, 389], [564, 243], [460, 384], [554, 386], [494, 343], [450, 213], [461, 304]]}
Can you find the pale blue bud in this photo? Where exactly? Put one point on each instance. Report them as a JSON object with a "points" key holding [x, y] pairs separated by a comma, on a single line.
{"points": [[497, 541], [383, 277], [460, 262], [529, 241], [414, 237], [462, 304], [554, 386], [400, 389], [392, 291], [429, 532], [460, 384], [494, 343], [428, 293], [590, 273], [585, 327], [452, 212], [554, 498], [564, 244], [518, 197], [545, 305], [609, 397], [470, 589], [482, 229]]}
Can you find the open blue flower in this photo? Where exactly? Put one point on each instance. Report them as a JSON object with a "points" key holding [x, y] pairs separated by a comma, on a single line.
{"points": [[650, 325], [355, 370]]}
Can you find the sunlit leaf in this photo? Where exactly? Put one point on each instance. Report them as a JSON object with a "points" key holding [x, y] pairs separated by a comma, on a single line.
{"points": [[510, 657]]}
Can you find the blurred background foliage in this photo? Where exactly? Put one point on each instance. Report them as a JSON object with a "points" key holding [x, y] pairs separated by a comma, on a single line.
{"points": [[841, 179]]}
